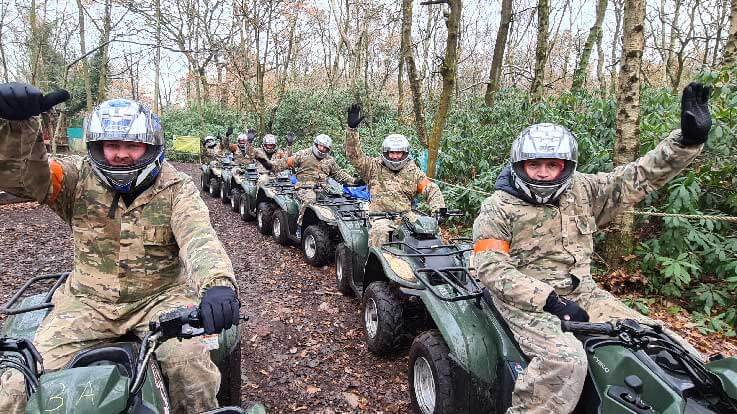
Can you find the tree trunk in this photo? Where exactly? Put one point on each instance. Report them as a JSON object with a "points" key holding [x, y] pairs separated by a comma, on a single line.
{"points": [[581, 72], [730, 50], [499, 47], [414, 82], [3, 12], [34, 46], [157, 62], [620, 238], [448, 71], [669, 68], [618, 11], [600, 66], [102, 85], [404, 50], [85, 66], [541, 49]]}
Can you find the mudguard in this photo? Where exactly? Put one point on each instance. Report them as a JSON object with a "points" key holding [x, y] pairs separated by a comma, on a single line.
{"points": [[216, 172], [227, 174], [476, 340], [726, 370], [97, 389], [288, 204], [205, 168]]}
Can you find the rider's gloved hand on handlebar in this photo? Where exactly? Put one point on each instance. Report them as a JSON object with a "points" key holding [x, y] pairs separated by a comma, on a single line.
{"points": [[19, 101], [358, 181], [219, 309], [564, 309]]}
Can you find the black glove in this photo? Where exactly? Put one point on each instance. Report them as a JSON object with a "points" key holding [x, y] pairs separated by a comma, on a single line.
{"points": [[229, 132], [290, 138], [358, 181], [441, 215], [219, 309], [354, 116], [19, 101], [263, 161], [695, 116], [565, 309], [250, 135]]}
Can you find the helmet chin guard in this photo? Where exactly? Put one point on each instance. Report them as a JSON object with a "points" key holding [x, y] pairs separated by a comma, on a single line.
{"points": [[323, 140], [395, 143]]}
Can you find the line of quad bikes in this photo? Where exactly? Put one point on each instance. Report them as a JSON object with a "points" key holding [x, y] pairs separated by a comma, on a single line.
{"points": [[417, 288]]}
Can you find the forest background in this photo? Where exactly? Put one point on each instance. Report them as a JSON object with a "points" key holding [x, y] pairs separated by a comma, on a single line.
{"points": [[460, 78]]}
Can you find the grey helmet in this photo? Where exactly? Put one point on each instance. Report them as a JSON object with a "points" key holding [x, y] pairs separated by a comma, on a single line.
{"points": [[544, 141], [324, 140], [210, 142], [242, 142], [395, 143], [125, 120], [269, 144]]}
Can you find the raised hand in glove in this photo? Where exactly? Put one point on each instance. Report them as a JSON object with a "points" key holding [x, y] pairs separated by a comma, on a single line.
{"points": [[19, 101], [263, 160], [219, 309], [250, 135], [695, 116], [354, 115], [565, 309], [290, 138]]}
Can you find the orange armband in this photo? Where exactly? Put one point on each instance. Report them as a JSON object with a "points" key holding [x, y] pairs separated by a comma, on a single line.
{"points": [[290, 162], [57, 178], [494, 245], [422, 185]]}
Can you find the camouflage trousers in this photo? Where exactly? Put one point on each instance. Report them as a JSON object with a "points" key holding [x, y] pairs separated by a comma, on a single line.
{"points": [[554, 379], [72, 326], [306, 196], [379, 230]]}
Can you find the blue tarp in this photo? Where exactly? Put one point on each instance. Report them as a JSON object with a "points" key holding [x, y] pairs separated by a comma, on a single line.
{"points": [[360, 192]]}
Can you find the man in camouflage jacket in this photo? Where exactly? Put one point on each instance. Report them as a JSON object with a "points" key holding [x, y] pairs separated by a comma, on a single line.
{"points": [[534, 241], [312, 166], [142, 247], [393, 179], [269, 151]]}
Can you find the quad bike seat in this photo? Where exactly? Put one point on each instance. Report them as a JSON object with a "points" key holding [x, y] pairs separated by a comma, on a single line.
{"points": [[122, 354]]}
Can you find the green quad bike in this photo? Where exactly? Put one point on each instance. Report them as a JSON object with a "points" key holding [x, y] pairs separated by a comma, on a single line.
{"points": [[223, 175], [242, 190], [277, 195], [384, 278], [328, 222], [469, 362], [209, 178], [120, 377]]}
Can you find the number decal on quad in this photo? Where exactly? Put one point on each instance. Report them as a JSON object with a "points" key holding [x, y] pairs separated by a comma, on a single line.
{"points": [[87, 393], [58, 397]]}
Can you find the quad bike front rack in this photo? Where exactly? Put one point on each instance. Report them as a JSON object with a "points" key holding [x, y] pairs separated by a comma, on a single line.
{"points": [[8, 309], [459, 278]]}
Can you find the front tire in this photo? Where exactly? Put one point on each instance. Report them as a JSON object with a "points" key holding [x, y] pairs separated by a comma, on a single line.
{"points": [[280, 227], [383, 318], [203, 182], [343, 270], [316, 245], [244, 208], [235, 199], [230, 379], [224, 193], [264, 216], [430, 375], [214, 187]]}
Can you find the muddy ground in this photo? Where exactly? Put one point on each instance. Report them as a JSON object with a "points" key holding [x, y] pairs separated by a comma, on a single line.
{"points": [[303, 348]]}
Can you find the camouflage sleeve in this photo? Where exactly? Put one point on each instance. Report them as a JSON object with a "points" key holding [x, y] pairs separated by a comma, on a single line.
{"points": [[430, 190], [24, 166], [199, 248], [628, 184], [289, 162], [339, 174], [355, 154], [492, 234], [250, 151]]}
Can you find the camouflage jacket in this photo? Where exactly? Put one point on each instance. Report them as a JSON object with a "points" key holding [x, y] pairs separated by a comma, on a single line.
{"points": [[239, 157], [309, 170], [162, 241], [253, 152], [391, 190], [524, 251], [208, 155]]}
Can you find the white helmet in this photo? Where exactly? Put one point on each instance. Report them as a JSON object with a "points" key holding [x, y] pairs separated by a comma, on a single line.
{"points": [[395, 143], [210, 142], [125, 120], [544, 141], [269, 143], [242, 141], [323, 140]]}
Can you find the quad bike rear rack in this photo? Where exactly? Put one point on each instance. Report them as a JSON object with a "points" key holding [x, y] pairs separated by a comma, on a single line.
{"points": [[7, 308], [432, 277]]}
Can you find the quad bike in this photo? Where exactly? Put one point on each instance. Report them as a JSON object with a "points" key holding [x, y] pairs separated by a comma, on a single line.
{"points": [[242, 190], [223, 175], [470, 362], [335, 218], [211, 176], [120, 377], [277, 195], [388, 279]]}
